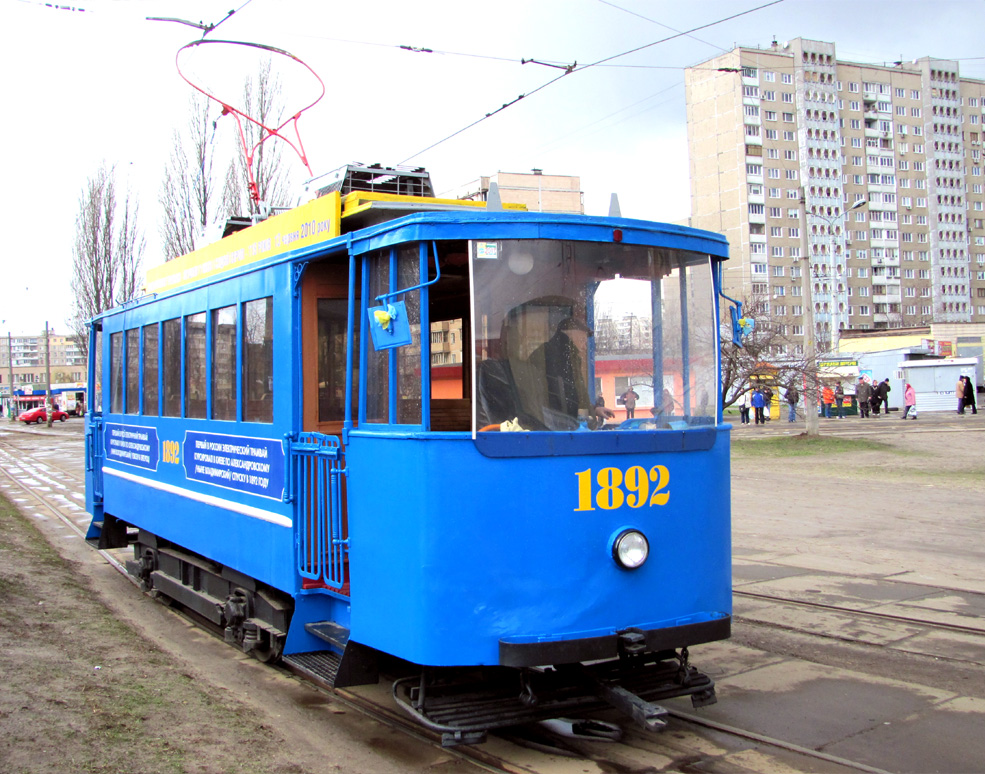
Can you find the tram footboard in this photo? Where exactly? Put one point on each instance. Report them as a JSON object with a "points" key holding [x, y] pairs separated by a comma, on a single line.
{"points": [[463, 705]]}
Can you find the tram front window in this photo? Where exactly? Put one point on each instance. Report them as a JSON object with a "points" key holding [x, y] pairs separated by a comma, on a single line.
{"points": [[588, 336]]}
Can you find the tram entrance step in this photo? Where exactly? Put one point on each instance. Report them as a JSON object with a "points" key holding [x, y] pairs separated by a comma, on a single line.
{"points": [[330, 632], [464, 707], [320, 666]]}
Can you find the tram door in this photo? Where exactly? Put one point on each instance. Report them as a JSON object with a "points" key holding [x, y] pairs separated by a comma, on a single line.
{"points": [[322, 517]]}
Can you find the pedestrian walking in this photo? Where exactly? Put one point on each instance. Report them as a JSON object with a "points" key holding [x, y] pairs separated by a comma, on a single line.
{"points": [[827, 398], [745, 403], [758, 402], [883, 391], [863, 394], [767, 402], [909, 401], [969, 395], [792, 397], [840, 401], [959, 394]]}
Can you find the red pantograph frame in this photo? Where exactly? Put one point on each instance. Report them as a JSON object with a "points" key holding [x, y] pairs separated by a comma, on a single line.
{"points": [[228, 109]]}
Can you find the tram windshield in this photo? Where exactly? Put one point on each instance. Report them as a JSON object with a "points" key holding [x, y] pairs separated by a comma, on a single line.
{"points": [[591, 336]]}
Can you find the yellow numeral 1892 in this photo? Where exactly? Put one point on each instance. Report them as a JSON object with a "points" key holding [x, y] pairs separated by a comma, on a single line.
{"points": [[171, 452], [616, 488]]}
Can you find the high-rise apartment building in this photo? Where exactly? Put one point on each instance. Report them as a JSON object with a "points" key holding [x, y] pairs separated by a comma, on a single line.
{"points": [[874, 172]]}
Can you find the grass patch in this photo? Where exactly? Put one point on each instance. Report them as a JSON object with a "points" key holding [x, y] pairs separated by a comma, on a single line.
{"points": [[805, 446]]}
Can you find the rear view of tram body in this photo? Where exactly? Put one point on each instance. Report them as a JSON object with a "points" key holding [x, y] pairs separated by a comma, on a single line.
{"points": [[373, 427]]}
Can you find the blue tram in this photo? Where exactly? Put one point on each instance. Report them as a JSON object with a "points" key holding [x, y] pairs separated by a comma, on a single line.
{"points": [[477, 447]]}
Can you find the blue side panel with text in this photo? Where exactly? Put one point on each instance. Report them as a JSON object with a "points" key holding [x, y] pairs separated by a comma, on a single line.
{"points": [[251, 465], [132, 445]]}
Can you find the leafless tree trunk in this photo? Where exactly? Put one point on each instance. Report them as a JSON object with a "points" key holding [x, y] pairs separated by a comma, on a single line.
{"points": [[189, 191], [107, 253], [263, 100]]}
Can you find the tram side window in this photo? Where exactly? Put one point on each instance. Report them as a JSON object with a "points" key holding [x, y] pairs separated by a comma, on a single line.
{"points": [[224, 363], [133, 371], [408, 358], [378, 363], [116, 373], [97, 370], [333, 316], [195, 366], [258, 360], [151, 336], [172, 368]]}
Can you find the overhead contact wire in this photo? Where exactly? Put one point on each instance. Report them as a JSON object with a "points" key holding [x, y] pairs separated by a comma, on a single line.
{"points": [[576, 69]]}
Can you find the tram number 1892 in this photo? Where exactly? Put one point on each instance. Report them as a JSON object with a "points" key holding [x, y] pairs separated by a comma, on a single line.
{"points": [[612, 488]]}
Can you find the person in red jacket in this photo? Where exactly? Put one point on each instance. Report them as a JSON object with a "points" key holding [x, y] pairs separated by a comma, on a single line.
{"points": [[827, 398]]}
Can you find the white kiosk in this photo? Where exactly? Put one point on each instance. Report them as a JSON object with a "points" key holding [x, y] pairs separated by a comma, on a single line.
{"points": [[934, 380]]}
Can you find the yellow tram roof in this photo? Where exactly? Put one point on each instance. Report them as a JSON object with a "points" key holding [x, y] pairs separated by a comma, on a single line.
{"points": [[316, 221]]}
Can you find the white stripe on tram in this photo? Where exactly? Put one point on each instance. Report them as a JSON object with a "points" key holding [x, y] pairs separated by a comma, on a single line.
{"points": [[246, 510]]}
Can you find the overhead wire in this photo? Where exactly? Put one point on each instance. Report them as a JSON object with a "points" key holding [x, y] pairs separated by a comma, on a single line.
{"points": [[576, 69], [659, 24]]}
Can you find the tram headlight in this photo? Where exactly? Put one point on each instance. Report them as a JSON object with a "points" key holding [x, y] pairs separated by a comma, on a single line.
{"points": [[630, 549]]}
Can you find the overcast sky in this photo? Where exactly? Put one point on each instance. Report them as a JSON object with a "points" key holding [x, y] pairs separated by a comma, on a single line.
{"points": [[86, 87]]}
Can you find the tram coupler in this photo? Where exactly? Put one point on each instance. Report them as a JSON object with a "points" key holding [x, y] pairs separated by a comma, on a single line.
{"points": [[647, 715]]}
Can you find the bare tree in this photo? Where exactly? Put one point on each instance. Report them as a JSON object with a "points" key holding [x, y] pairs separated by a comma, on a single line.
{"points": [[107, 253], [189, 194], [263, 100], [767, 351]]}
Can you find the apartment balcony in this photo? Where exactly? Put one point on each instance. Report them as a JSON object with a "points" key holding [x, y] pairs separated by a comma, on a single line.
{"points": [[887, 299], [875, 132]]}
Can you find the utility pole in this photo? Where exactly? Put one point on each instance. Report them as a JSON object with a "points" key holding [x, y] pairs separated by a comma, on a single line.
{"points": [[47, 366], [10, 369]]}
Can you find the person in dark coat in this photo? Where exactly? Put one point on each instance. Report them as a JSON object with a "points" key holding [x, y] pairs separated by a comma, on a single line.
{"points": [[863, 394], [969, 395], [883, 392]]}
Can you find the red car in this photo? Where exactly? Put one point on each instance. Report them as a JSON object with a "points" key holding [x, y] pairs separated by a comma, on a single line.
{"points": [[39, 415]]}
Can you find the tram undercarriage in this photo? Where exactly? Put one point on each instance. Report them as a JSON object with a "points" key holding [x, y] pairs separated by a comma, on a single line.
{"points": [[462, 704]]}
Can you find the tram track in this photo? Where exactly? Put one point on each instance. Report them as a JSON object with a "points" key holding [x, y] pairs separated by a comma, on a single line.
{"points": [[871, 614], [50, 487]]}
